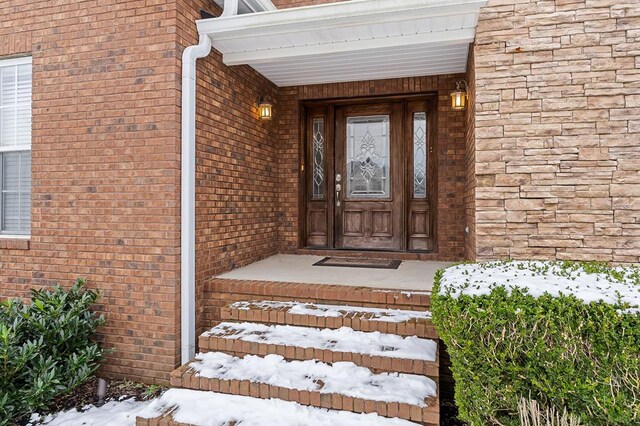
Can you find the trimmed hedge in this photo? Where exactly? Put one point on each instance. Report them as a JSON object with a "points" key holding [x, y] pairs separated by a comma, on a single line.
{"points": [[45, 348], [560, 351]]}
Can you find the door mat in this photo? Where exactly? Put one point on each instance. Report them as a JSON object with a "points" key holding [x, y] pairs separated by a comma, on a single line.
{"points": [[352, 262]]}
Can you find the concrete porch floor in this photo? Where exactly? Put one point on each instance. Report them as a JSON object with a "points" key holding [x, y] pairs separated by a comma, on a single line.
{"points": [[410, 275]]}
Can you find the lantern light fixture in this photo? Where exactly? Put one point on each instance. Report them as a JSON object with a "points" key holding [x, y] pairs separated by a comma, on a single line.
{"points": [[265, 108], [460, 96]]}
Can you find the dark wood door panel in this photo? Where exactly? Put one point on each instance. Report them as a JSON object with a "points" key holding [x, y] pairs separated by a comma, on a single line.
{"points": [[369, 160], [420, 190], [317, 227]]}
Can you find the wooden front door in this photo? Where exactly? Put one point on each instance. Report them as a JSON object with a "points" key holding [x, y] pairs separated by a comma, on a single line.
{"points": [[368, 177], [369, 180]]}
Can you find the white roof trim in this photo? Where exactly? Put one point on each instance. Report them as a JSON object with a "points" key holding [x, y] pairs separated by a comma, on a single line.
{"points": [[350, 40]]}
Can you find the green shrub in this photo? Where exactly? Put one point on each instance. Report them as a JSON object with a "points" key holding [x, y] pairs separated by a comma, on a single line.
{"points": [[45, 348], [506, 343]]}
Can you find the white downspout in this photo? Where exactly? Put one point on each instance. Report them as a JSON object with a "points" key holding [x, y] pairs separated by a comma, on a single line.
{"points": [[188, 198]]}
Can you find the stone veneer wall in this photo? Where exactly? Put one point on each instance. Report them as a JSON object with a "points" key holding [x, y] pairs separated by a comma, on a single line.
{"points": [[470, 162], [558, 130]]}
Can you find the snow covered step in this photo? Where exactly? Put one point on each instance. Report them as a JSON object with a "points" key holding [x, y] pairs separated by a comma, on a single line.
{"points": [[394, 321], [189, 407], [339, 386], [375, 350]]}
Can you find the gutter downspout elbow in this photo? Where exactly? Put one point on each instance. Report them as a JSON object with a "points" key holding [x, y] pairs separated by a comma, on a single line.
{"points": [[188, 198]]}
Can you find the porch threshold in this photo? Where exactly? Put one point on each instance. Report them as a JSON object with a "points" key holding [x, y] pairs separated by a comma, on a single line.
{"points": [[410, 275]]}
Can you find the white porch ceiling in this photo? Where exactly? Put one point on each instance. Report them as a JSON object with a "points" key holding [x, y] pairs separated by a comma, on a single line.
{"points": [[349, 41]]}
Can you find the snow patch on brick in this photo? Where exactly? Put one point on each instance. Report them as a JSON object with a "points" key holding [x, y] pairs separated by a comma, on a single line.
{"points": [[334, 311], [214, 409], [344, 339], [343, 378]]}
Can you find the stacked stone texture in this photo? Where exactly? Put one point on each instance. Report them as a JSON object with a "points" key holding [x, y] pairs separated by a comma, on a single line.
{"points": [[557, 138]]}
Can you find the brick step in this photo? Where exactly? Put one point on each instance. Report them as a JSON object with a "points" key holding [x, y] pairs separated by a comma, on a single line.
{"points": [[393, 321], [219, 292], [342, 386], [377, 351], [184, 407]]}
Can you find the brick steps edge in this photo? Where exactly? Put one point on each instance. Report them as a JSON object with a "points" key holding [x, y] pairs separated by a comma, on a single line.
{"points": [[428, 415], [375, 363], [236, 290], [415, 327]]}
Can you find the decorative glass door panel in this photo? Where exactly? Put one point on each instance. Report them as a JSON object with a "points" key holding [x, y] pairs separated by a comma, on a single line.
{"points": [[368, 206], [318, 159], [368, 157], [420, 155]]}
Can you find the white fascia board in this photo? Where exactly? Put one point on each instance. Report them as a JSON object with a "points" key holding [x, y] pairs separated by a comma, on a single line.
{"points": [[332, 15], [277, 54]]}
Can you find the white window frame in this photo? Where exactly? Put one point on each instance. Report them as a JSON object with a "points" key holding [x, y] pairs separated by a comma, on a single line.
{"points": [[10, 62]]}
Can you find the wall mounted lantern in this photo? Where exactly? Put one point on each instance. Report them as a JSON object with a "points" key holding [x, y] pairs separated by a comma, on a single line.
{"points": [[265, 108], [459, 96]]}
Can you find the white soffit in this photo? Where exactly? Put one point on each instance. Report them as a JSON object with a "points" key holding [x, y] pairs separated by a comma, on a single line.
{"points": [[349, 41]]}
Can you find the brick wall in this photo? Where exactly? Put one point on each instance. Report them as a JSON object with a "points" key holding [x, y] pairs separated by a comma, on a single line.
{"points": [[558, 130], [106, 168], [451, 174], [236, 166]]}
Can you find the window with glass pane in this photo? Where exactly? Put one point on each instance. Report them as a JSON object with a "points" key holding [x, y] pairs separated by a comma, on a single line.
{"points": [[419, 155], [318, 159], [368, 157], [15, 146]]}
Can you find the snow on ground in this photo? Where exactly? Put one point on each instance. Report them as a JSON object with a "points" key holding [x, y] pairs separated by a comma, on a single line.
{"points": [[214, 409], [344, 378], [335, 311], [344, 339], [113, 413], [537, 278]]}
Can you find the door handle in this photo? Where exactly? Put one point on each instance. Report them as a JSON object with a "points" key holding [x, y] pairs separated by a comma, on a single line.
{"points": [[338, 189]]}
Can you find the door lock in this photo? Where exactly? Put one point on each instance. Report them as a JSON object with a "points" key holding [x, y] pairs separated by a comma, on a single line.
{"points": [[338, 189]]}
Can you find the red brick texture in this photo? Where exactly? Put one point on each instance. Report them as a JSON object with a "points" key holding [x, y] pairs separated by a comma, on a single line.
{"points": [[450, 151], [236, 163], [106, 168]]}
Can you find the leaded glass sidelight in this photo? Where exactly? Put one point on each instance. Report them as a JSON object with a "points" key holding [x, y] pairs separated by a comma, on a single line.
{"points": [[419, 155], [318, 192], [368, 157]]}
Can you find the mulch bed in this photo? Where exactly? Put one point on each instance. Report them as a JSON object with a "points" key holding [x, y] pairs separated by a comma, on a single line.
{"points": [[88, 394]]}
